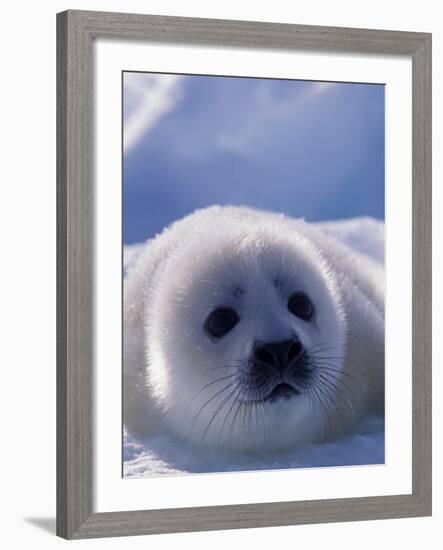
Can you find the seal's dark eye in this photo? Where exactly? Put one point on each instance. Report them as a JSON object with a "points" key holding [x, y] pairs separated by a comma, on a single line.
{"points": [[221, 321], [301, 306]]}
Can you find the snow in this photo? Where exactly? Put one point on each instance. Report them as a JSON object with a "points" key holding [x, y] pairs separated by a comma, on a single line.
{"points": [[365, 235], [162, 455]]}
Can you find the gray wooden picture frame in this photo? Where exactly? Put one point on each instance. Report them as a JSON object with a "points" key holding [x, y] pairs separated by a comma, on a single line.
{"points": [[76, 32]]}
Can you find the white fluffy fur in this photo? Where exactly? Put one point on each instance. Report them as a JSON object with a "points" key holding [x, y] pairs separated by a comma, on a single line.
{"points": [[191, 268]]}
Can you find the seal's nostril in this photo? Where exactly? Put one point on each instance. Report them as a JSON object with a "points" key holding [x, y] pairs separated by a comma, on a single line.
{"points": [[294, 351], [278, 354], [262, 355]]}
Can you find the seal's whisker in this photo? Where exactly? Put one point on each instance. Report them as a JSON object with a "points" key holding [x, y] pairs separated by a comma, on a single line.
{"points": [[246, 412], [313, 400], [335, 362], [318, 357], [335, 376], [208, 401], [240, 403], [333, 369], [335, 402], [338, 380], [339, 395], [210, 384], [260, 410], [334, 406], [313, 364], [332, 409], [251, 419], [234, 401], [323, 348], [218, 409], [314, 413]]}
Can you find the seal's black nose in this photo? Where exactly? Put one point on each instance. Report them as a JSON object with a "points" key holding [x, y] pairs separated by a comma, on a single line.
{"points": [[278, 354]]}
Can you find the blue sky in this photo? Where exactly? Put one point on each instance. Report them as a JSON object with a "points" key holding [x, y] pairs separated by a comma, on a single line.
{"points": [[308, 149]]}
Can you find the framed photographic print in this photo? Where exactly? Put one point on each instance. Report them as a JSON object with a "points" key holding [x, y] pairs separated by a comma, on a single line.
{"points": [[244, 280]]}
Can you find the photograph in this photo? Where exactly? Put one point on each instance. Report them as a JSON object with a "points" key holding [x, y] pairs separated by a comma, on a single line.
{"points": [[253, 274]]}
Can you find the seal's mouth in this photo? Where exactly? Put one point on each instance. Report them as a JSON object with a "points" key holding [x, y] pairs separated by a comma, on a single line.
{"points": [[282, 391]]}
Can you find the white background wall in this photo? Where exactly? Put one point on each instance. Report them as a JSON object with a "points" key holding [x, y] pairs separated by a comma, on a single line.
{"points": [[27, 198]]}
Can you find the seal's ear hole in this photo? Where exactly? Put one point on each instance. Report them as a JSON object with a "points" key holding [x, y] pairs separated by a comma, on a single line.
{"points": [[221, 321], [301, 306]]}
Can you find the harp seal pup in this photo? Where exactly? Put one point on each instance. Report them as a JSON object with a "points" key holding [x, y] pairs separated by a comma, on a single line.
{"points": [[250, 331]]}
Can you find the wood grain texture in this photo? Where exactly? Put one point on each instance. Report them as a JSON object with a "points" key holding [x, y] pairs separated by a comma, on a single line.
{"points": [[223, 32], [74, 291], [422, 271], [76, 31]]}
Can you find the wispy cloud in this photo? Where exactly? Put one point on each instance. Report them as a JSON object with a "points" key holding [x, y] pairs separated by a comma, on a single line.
{"points": [[147, 98], [264, 119]]}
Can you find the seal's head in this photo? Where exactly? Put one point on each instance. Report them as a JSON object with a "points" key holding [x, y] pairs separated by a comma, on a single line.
{"points": [[245, 338]]}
